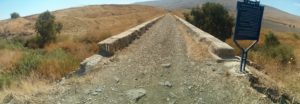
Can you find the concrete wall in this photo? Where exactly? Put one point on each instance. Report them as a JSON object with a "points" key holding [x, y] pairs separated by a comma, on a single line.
{"points": [[113, 44], [219, 49]]}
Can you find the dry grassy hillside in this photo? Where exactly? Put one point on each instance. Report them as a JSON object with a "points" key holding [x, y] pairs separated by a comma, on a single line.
{"points": [[77, 21], [281, 17]]}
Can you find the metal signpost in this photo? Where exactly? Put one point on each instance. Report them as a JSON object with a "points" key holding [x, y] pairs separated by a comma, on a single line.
{"points": [[248, 24]]}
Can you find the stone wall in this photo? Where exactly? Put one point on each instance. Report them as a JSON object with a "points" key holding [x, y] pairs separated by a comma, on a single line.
{"points": [[113, 44], [219, 49]]}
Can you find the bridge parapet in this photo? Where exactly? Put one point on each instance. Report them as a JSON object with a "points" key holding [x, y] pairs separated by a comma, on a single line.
{"points": [[219, 49], [115, 43]]}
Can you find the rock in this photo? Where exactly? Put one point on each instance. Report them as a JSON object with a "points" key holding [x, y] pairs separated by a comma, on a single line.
{"points": [[8, 98], [89, 63], [89, 99], [99, 89], [168, 65], [172, 102], [62, 81], [200, 101], [136, 94], [168, 99], [113, 89], [171, 94], [117, 79], [166, 83], [190, 87], [94, 93]]}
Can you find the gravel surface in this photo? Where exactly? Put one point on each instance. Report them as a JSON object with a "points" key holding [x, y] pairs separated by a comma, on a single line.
{"points": [[155, 69]]}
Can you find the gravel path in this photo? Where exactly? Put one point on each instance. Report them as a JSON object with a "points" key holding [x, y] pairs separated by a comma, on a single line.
{"points": [[155, 69]]}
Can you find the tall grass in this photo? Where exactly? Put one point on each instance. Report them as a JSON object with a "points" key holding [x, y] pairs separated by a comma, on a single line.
{"points": [[55, 60], [10, 44], [56, 64]]}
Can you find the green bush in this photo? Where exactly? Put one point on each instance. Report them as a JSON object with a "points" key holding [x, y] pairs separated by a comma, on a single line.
{"points": [[274, 49], [212, 18], [47, 28], [14, 15], [30, 60], [271, 40]]}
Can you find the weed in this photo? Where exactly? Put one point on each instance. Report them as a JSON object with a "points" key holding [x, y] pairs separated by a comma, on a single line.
{"points": [[56, 64], [10, 44], [5, 80], [296, 36], [29, 62]]}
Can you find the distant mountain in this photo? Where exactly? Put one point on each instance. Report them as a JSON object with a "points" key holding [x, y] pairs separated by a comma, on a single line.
{"points": [[272, 16], [174, 4]]}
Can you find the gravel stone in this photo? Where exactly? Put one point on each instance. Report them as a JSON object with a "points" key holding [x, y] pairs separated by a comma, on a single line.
{"points": [[168, 65], [135, 94], [166, 83]]}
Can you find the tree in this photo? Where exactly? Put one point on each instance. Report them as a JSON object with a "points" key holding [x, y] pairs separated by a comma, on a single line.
{"points": [[212, 18], [14, 15], [47, 28]]}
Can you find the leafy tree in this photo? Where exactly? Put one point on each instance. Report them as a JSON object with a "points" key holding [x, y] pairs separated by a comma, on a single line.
{"points": [[212, 18], [14, 15], [47, 28]]}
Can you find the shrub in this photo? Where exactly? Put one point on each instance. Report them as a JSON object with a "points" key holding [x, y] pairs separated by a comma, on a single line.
{"points": [[212, 18], [271, 40], [47, 28], [56, 64], [14, 15], [296, 36], [272, 48], [32, 43], [29, 62]]}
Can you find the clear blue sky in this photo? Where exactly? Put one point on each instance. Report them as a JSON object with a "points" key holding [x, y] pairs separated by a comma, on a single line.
{"points": [[28, 7], [290, 6]]}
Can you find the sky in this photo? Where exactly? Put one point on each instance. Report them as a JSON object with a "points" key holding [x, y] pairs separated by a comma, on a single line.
{"points": [[290, 6], [29, 7]]}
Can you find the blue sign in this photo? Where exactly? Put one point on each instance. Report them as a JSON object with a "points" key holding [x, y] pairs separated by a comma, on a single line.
{"points": [[248, 22]]}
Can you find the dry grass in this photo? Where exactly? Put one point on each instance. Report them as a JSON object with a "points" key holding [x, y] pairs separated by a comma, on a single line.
{"points": [[286, 76], [23, 89], [8, 58]]}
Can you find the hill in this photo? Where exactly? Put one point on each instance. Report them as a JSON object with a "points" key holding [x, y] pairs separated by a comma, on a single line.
{"points": [[274, 19], [78, 21]]}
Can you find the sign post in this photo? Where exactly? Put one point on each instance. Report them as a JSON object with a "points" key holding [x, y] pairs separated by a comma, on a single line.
{"points": [[248, 24]]}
